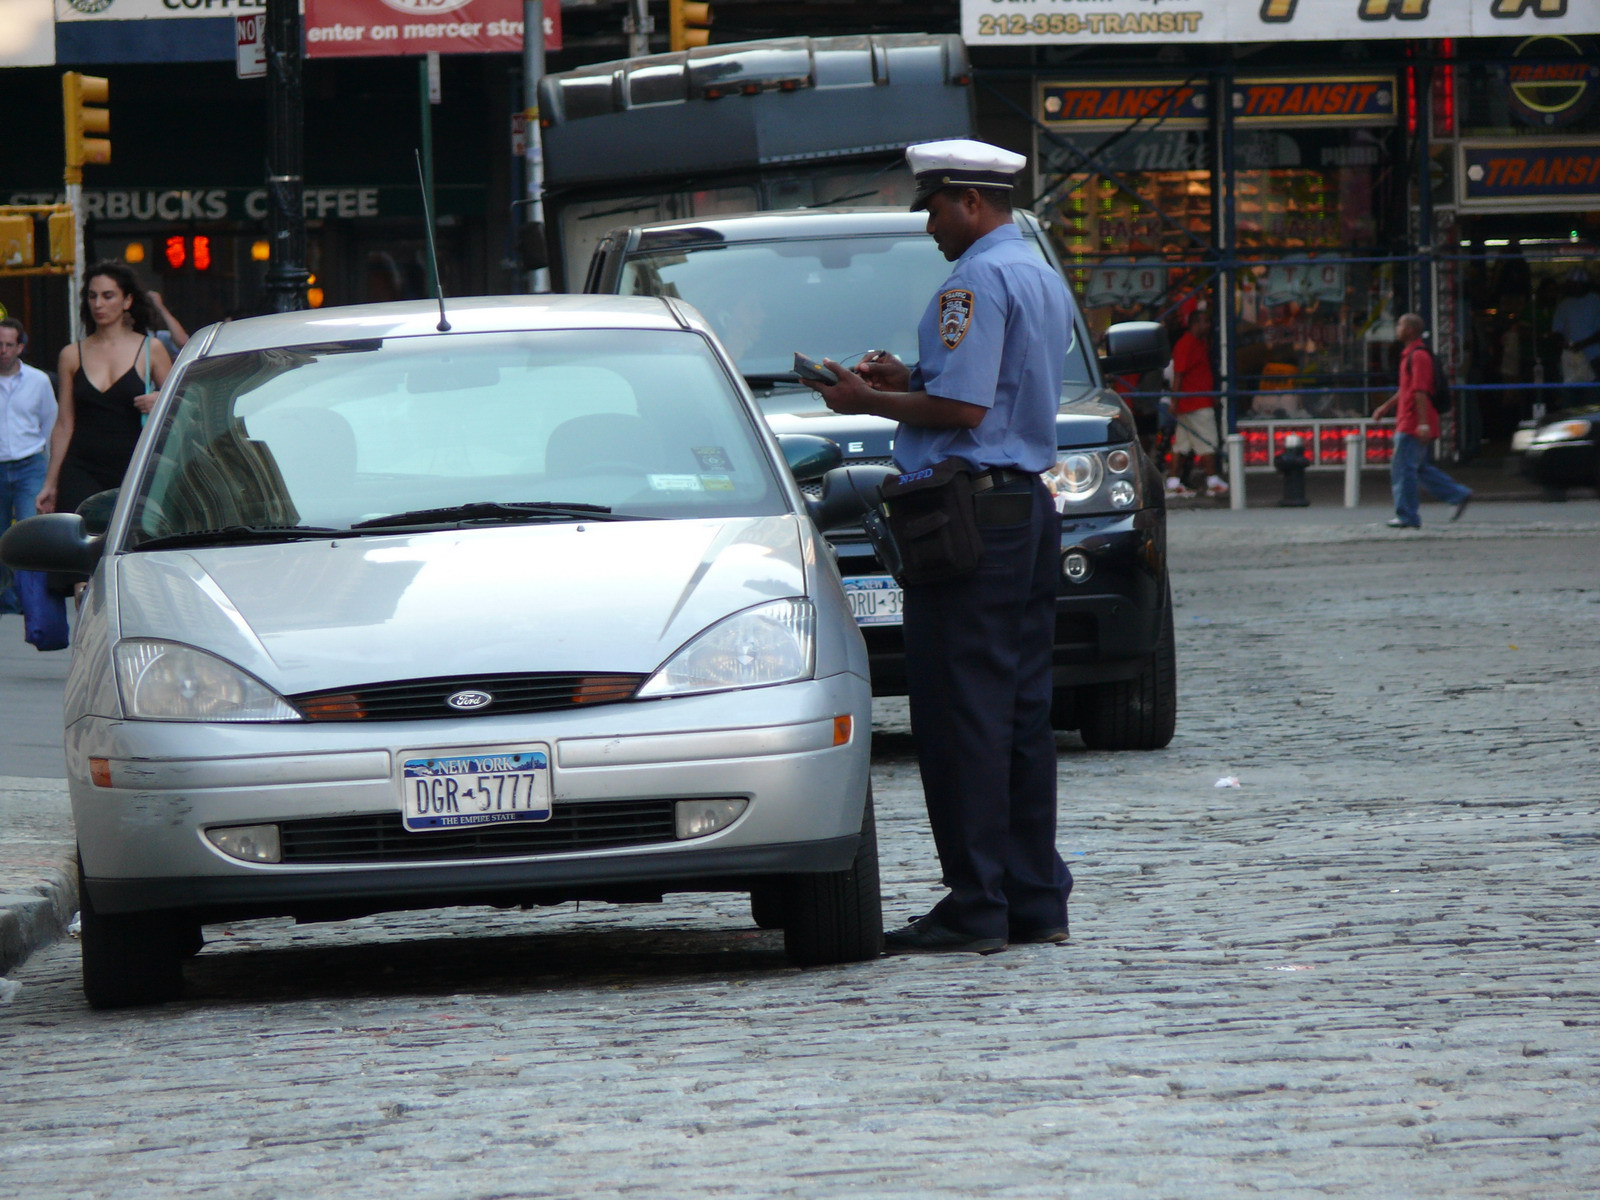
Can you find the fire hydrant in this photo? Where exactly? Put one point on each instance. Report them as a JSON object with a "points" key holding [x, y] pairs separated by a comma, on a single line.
{"points": [[1292, 463]]}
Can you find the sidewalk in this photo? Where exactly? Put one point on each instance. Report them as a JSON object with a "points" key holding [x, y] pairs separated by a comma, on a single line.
{"points": [[38, 876], [38, 879], [1491, 479]]}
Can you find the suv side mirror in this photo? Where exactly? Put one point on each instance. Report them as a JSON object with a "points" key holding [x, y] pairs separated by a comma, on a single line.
{"points": [[51, 542], [847, 494], [809, 456], [1134, 347]]}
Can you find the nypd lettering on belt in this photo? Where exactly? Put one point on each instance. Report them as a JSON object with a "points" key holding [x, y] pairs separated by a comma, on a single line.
{"points": [[925, 473]]}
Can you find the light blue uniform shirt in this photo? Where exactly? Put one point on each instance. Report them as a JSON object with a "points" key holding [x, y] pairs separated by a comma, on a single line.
{"points": [[997, 336], [27, 413]]}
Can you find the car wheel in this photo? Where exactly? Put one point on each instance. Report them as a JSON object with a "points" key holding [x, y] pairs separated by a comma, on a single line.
{"points": [[768, 905], [1139, 713], [128, 958], [838, 917]]}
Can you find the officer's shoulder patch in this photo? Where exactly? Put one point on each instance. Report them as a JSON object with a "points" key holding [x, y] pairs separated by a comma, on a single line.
{"points": [[955, 314]]}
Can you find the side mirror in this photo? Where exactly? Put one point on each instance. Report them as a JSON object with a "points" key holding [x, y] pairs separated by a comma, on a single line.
{"points": [[51, 542], [96, 511], [1134, 347], [847, 494], [809, 456]]}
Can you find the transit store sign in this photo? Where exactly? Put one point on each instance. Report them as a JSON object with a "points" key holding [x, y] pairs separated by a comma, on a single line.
{"points": [[1093, 23], [1547, 175], [384, 28]]}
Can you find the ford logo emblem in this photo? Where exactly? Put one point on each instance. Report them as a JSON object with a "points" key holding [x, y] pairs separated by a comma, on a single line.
{"points": [[469, 700]]}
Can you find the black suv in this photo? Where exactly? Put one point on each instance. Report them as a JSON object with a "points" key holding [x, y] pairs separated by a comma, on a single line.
{"points": [[841, 282]]}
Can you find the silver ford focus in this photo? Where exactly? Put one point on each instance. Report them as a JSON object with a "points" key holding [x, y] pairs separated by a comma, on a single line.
{"points": [[517, 608]]}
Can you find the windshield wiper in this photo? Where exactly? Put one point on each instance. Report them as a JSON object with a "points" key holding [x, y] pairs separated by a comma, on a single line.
{"points": [[238, 533], [498, 511]]}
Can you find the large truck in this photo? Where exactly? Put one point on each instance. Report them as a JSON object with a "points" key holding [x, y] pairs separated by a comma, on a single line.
{"points": [[754, 126]]}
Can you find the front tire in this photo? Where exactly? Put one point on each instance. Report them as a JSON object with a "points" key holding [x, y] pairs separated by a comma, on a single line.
{"points": [[128, 958], [1139, 713], [838, 917]]}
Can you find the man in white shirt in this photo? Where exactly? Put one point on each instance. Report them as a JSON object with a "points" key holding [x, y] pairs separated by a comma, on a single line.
{"points": [[27, 415], [1577, 320]]}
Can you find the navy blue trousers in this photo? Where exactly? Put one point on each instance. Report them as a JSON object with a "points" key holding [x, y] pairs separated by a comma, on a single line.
{"points": [[978, 654]]}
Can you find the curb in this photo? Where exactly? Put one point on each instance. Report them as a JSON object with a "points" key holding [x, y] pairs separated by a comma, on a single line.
{"points": [[30, 922]]}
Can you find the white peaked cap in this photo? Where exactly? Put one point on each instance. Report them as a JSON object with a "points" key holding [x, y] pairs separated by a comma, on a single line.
{"points": [[961, 162]]}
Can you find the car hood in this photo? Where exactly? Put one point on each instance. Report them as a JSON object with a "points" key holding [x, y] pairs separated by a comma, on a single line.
{"points": [[594, 597], [1089, 416]]}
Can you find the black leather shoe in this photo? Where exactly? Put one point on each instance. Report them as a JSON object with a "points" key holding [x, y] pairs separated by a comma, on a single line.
{"points": [[1052, 935], [1397, 523], [1461, 508], [927, 936]]}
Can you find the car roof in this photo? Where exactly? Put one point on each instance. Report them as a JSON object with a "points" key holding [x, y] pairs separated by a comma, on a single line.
{"points": [[466, 314], [789, 223]]}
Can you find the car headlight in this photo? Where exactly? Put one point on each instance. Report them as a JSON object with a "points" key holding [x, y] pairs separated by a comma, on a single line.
{"points": [[769, 644], [1094, 480], [163, 681], [1563, 431]]}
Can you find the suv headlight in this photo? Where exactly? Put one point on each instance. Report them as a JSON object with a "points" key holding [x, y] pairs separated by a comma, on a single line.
{"points": [[1095, 480], [769, 644], [163, 681], [1564, 431]]}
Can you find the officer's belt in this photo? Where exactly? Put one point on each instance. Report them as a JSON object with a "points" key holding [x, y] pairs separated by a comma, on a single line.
{"points": [[994, 507]]}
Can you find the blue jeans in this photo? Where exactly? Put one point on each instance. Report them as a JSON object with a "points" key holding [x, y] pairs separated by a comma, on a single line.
{"points": [[1412, 465], [20, 481]]}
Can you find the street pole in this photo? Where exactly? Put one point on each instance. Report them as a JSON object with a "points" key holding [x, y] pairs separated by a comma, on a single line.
{"points": [[286, 187], [75, 200], [638, 25], [532, 73]]}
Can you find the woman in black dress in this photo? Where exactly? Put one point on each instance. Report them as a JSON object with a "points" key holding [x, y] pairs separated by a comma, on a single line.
{"points": [[109, 382]]}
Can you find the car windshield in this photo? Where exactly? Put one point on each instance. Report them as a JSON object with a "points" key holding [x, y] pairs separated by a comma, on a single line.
{"points": [[527, 426], [833, 297]]}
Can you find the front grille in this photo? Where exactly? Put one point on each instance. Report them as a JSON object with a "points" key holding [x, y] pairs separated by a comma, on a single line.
{"points": [[381, 837], [424, 699]]}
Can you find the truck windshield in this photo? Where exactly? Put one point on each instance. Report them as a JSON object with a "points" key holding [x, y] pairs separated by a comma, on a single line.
{"points": [[833, 297]]}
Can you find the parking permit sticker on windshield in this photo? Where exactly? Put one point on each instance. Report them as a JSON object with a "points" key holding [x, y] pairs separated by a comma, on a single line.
{"points": [[713, 458], [675, 483], [717, 483]]}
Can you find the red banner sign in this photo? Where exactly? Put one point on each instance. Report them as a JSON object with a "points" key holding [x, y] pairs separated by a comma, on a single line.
{"points": [[385, 28]]}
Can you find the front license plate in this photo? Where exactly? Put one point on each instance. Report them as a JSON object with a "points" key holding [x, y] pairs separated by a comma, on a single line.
{"points": [[460, 790], [874, 599]]}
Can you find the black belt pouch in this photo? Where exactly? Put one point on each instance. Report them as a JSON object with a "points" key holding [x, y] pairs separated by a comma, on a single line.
{"points": [[933, 519]]}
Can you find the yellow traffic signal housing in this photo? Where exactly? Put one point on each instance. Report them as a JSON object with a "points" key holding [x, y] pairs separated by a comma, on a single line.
{"points": [[62, 243], [688, 23], [83, 101], [16, 241]]}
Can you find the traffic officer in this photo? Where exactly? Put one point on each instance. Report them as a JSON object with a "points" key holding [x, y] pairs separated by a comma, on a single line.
{"points": [[992, 348]]}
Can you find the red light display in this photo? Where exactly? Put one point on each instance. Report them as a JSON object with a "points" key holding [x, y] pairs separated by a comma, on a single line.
{"points": [[176, 252], [202, 252]]}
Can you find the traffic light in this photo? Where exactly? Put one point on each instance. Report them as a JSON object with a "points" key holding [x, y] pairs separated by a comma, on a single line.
{"points": [[688, 23], [16, 240], [83, 101]]}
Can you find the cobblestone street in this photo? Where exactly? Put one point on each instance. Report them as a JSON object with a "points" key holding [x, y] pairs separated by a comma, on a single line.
{"points": [[1370, 970]]}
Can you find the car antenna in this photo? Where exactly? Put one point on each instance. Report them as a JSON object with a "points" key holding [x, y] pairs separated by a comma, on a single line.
{"points": [[433, 251]]}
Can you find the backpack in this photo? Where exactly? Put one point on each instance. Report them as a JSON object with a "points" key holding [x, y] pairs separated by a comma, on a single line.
{"points": [[1443, 401]]}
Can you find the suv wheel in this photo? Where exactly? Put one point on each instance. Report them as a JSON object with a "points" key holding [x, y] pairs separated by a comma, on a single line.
{"points": [[1139, 713], [128, 958], [837, 917]]}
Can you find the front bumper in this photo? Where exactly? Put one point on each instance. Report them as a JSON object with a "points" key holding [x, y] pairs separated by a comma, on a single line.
{"points": [[1574, 463], [144, 846], [1106, 626]]}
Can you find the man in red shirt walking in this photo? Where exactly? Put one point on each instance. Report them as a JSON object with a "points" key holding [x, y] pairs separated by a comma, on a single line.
{"points": [[1415, 426], [1193, 382]]}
